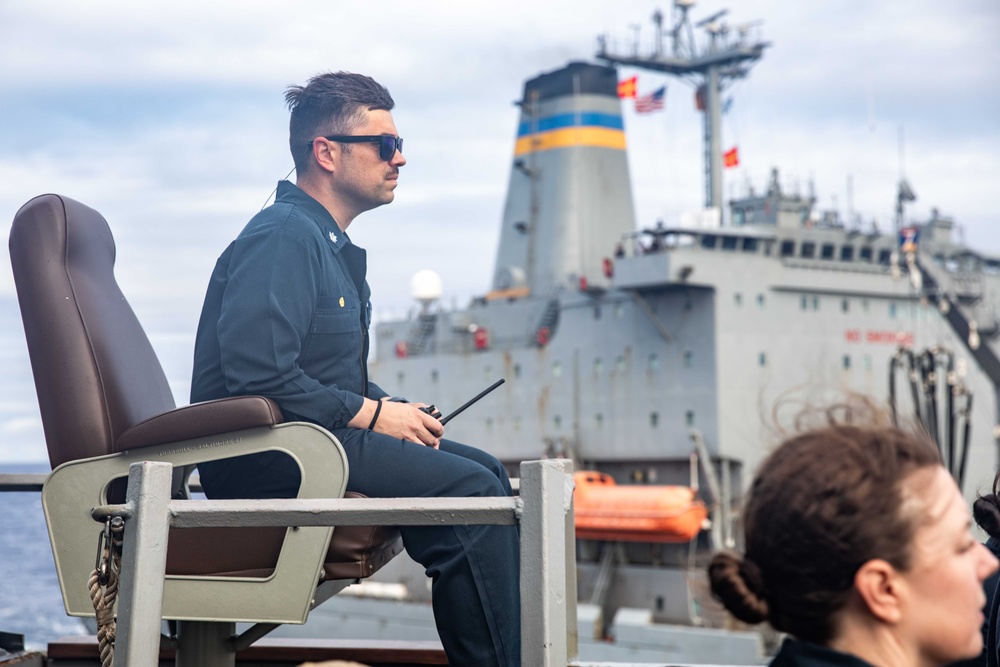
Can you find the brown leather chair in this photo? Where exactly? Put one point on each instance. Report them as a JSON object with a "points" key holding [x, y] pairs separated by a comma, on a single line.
{"points": [[105, 403]]}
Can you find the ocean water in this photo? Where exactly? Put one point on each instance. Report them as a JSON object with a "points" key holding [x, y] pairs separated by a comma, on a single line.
{"points": [[30, 602]]}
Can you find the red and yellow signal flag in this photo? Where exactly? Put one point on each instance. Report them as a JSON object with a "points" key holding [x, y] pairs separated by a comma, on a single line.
{"points": [[731, 158], [628, 87]]}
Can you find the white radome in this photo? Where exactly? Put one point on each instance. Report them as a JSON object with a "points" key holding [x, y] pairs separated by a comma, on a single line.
{"points": [[425, 286]]}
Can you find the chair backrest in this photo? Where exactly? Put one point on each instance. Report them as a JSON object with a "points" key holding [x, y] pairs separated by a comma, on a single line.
{"points": [[95, 370], [97, 376]]}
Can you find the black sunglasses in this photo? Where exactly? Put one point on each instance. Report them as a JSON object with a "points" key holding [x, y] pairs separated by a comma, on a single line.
{"points": [[387, 144]]}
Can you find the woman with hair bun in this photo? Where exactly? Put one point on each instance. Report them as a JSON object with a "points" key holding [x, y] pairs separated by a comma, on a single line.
{"points": [[858, 546], [986, 512]]}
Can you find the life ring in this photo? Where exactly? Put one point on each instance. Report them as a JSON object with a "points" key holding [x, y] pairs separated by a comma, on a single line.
{"points": [[543, 335]]}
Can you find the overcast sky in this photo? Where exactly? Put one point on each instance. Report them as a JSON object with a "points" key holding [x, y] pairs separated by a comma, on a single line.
{"points": [[168, 117]]}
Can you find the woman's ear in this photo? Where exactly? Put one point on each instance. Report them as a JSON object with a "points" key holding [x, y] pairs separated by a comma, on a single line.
{"points": [[881, 590]]}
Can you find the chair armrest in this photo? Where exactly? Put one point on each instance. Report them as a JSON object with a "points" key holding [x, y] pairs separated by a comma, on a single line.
{"points": [[75, 487], [201, 420]]}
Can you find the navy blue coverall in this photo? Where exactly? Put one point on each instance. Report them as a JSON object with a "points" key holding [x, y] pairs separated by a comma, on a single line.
{"points": [[286, 316]]}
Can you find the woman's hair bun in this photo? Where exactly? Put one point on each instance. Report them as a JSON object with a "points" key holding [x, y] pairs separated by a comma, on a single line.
{"points": [[738, 584], [986, 512]]}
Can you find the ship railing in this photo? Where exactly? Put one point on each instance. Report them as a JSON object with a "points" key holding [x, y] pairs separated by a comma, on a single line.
{"points": [[836, 265], [22, 482], [966, 285], [543, 509]]}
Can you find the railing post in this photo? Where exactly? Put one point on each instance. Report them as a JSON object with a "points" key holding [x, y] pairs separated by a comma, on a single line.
{"points": [[546, 493], [572, 626], [144, 565]]}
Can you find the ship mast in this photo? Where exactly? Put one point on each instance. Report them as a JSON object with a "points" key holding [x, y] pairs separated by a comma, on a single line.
{"points": [[727, 54]]}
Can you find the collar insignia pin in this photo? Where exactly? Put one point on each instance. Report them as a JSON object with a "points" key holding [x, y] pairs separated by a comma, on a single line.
{"points": [[333, 237]]}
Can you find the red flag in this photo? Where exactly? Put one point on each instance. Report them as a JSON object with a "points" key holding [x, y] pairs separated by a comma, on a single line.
{"points": [[731, 158], [627, 87]]}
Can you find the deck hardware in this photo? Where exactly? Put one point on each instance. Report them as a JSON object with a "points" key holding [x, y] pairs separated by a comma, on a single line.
{"points": [[103, 585]]}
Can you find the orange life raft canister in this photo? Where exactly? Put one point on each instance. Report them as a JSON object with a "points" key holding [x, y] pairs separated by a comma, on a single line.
{"points": [[635, 513]]}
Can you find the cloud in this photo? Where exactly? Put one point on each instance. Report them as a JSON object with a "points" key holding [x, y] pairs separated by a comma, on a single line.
{"points": [[168, 117]]}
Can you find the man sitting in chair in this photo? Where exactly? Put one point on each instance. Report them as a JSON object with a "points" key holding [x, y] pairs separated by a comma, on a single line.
{"points": [[286, 316]]}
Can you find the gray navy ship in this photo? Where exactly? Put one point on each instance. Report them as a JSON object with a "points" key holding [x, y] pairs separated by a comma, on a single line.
{"points": [[669, 354]]}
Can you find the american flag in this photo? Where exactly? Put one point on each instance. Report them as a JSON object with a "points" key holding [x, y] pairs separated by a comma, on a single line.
{"points": [[651, 102]]}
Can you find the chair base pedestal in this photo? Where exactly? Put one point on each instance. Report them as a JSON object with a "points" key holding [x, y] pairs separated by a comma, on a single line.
{"points": [[204, 644]]}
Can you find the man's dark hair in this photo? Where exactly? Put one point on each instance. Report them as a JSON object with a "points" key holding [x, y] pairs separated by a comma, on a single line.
{"points": [[329, 103]]}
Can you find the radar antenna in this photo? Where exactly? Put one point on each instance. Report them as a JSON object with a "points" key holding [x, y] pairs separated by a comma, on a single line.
{"points": [[726, 55]]}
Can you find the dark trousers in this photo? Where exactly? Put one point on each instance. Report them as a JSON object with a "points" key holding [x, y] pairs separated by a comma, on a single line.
{"points": [[475, 570]]}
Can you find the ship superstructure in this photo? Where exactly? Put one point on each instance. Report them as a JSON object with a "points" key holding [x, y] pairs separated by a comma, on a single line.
{"points": [[612, 359], [657, 354]]}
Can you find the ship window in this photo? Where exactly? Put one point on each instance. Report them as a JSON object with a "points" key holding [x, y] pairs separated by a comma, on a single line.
{"points": [[768, 248], [688, 356], [865, 254], [434, 375], [884, 256], [847, 253], [708, 241], [517, 370], [489, 423], [689, 417], [599, 420], [597, 312], [598, 367], [654, 362], [826, 252], [762, 359], [847, 362], [808, 249], [400, 376], [760, 300], [864, 305], [750, 245], [729, 242], [557, 421], [620, 364], [619, 310], [556, 369], [815, 303], [654, 419], [868, 362], [845, 305], [787, 248], [804, 302], [892, 310], [738, 299]]}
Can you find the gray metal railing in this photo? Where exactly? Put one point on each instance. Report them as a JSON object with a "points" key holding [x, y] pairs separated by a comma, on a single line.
{"points": [[18, 482], [544, 511]]}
